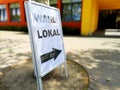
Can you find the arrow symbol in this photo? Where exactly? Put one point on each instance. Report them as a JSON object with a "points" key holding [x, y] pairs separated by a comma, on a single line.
{"points": [[48, 56]]}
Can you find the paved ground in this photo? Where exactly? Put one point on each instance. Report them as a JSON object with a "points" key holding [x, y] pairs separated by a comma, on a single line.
{"points": [[100, 56], [13, 46], [16, 68]]}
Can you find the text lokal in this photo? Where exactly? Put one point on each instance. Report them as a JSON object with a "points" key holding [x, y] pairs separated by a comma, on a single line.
{"points": [[48, 33]]}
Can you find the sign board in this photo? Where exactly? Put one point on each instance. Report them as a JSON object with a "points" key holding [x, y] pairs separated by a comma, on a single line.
{"points": [[46, 35]]}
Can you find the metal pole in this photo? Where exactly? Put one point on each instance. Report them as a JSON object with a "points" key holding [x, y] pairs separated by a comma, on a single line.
{"points": [[66, 72], [39, 81], [48, 2], [61, 70]]}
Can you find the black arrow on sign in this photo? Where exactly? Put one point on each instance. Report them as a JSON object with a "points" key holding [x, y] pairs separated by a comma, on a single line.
{"points": [[53, 54]]}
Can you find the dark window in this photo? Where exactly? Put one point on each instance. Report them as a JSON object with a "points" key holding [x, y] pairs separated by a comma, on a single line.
{"points": [[3, 13], [67, 13], [15, 12], [71, 10]]}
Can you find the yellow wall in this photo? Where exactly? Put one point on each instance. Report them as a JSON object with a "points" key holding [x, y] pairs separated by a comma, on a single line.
{"points": [[90, 13], [86, 11], [89, 17], [109, 4], [94, 17]]}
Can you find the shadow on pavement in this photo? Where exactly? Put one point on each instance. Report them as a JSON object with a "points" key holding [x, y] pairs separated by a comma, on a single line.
{"points": [[102, 65], [21, 76]]}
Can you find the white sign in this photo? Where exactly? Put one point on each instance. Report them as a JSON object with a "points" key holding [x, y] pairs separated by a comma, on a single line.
{"points": [[46, 35]]}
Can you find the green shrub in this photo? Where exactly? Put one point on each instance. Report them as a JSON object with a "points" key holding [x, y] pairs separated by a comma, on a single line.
{"points": [[71, 31], [14, 28], [66, 30]]}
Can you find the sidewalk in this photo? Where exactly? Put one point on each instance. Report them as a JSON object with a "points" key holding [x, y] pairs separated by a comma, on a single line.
{"points": [[14, 47], [100, 56], [16, 68]]}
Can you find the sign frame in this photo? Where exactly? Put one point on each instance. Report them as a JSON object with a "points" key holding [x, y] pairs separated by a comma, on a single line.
{"points": [[30, 29]]}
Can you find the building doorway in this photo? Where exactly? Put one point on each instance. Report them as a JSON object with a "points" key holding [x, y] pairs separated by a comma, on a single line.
{"points": [[109, 19]]}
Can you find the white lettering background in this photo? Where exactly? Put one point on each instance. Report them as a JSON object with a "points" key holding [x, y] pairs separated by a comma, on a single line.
{"points": [[45, 45]]}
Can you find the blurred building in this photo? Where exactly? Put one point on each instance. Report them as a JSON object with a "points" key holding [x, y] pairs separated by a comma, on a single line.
{"points": [[70, 13], [12, 13], [85, 15], [99, 15]]}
